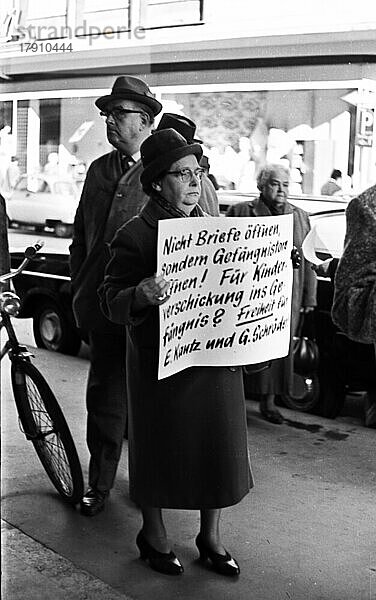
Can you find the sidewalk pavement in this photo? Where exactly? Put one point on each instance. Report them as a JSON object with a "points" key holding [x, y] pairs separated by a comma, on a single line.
{"points": [[30, 571], [307, 531]]}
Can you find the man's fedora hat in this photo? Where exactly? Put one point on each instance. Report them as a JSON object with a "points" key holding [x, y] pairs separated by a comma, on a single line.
{"points": [[131, 88], [160, 150], [181, 124]]}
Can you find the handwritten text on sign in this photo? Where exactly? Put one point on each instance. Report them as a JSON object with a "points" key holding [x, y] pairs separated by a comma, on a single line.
{"points": [[230, 285]]}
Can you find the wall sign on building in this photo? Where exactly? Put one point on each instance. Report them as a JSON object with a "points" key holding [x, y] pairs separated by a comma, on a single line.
{"points": [[364, 126]]}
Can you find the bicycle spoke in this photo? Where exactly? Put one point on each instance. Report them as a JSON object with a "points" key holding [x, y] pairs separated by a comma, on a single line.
{"points": [[47, 439]]}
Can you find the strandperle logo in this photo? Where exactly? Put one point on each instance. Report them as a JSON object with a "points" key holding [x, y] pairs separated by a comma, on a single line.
{"points": [[12, 30]]}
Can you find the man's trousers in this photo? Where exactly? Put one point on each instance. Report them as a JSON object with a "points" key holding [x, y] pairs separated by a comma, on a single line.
{"points": [[106, 401]]}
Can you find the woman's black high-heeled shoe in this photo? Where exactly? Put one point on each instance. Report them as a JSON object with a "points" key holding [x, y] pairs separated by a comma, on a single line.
{"points": [[166, 563], [221, 563]]}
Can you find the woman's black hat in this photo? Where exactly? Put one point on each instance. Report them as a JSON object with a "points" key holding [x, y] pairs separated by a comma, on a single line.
{"points": [[160, 150], [186, 127]]}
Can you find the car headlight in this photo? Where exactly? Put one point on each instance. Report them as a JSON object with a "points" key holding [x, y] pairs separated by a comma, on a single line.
{"points": [[10, 303]]}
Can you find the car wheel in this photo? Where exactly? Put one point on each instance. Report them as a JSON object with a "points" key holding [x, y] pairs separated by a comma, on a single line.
{"points": [[53, 330], [305, 393], [62, 230]]}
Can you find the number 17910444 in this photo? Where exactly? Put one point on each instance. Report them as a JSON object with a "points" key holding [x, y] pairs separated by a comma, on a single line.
{"points": [[45, 47]]}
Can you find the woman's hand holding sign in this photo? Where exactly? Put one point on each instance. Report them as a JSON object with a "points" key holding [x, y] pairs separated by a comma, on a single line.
{"points": [[151, 291]]}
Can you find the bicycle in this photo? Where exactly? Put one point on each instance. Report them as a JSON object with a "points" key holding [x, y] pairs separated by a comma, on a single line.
{"points": [[40, 416]]}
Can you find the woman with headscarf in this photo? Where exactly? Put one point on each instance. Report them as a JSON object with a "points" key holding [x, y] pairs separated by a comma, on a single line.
{"points": [[187, 432]]}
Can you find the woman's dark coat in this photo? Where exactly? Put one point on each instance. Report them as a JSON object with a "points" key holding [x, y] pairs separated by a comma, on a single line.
{"points": [[354, 304], [187, 432], [278, 379]]}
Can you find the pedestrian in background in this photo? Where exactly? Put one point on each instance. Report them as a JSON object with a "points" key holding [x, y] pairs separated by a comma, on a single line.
{"points": [[354, 303], [187, 128], [111, 195], [333, 185], [273, 183], [187, 432]]}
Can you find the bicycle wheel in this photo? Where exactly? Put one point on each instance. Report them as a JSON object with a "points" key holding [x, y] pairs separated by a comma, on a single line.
{"points": [[44, 424]]}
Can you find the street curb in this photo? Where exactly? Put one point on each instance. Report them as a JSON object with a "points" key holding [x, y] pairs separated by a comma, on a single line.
{"points": [[22, 556]]}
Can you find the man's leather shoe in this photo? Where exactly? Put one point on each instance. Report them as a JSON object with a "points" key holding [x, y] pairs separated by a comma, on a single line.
{"points": [[93, 502]]}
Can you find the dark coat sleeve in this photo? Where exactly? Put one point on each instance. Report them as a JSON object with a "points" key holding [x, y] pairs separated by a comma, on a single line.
{"points": [[354, 304], [4, 249], [126, 268], [77, 248], [309, 297], [241, 209]]}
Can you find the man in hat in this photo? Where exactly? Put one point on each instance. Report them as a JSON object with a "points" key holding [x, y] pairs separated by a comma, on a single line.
{"points": [[187, 128], [112, 194]]}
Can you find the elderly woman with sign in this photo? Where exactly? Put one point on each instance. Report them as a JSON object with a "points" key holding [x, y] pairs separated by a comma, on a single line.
{"points": [[187, 432]]}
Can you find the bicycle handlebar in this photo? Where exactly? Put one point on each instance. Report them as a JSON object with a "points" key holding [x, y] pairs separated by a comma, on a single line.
{"points": [[29, 254]]}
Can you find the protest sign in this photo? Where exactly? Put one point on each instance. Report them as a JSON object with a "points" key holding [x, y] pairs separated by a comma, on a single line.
{"points": [[230, 285]]}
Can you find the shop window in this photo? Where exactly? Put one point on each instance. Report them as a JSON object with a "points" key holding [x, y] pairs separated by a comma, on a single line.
{"points": [[47, 19], [10, 16], [231, 125], [7, 137], [94, 15], [6, 113], [49, 112], [165, 13]]}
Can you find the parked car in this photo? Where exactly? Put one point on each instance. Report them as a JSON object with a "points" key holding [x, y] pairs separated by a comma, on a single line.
{"points": [[344, 365], [44, 204], [46, 296]]}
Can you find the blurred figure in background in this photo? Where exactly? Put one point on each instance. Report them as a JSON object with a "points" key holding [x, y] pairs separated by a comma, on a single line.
{"points": [[246, 181], [273, 183], [204, 163], [333, 185], [51, 169], [13, 173]]}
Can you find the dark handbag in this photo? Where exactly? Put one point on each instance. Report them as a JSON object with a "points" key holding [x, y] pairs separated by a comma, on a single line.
{"points": [[305, 351]]}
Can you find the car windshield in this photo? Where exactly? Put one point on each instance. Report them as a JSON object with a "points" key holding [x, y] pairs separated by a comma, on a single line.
{"points": [[32, 184]]}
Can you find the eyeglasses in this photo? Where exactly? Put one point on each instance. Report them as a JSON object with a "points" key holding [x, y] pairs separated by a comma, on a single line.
{"points": [[119, 113], [186, 175]]}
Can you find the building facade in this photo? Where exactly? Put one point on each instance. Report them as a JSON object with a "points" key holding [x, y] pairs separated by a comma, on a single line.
{"points": [[263, 83]]}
